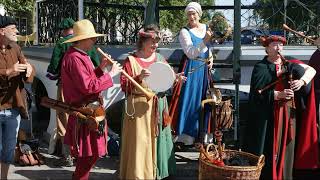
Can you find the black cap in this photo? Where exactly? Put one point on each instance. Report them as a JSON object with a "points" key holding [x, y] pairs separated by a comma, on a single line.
{"points": [[6, 21]]}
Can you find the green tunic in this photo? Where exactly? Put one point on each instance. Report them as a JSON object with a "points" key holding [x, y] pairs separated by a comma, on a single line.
{"points": [[60, 49], [166, 163]]}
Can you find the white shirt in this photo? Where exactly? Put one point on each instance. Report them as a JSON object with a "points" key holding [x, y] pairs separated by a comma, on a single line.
{"points": [[185, 41]]}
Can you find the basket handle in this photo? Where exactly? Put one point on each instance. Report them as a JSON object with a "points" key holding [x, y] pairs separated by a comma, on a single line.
{"points": [[204, 152], [260, 160], [208, 147]]}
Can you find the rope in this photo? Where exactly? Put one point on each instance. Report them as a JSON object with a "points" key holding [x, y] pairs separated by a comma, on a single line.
{"points": [[131, 115]]}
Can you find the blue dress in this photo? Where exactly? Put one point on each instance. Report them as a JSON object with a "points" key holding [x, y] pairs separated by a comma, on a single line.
{"points": [[193, 92]]}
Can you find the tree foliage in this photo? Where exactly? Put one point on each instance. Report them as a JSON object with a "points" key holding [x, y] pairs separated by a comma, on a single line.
{"points": [[176, 19], [302, 15], [218, 22], [18, 6]]}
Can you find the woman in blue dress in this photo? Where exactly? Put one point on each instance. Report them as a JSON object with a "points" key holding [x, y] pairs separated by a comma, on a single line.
{"points": [[193, 39]]}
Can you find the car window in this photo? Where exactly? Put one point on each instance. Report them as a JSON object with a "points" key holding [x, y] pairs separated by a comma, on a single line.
{"points": [[246, 32]]}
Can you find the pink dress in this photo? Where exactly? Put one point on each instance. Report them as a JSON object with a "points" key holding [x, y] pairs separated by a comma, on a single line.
{"points": [[82, 83]]}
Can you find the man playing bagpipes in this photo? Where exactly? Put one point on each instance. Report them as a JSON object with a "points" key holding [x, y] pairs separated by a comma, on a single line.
{"points": [[281, 111], [82, 85]]}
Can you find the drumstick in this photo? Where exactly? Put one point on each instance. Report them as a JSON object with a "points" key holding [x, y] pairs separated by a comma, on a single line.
{"points": [[148, 94]]}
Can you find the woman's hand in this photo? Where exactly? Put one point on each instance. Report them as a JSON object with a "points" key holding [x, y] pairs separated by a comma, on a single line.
{"points": [[210, 62], [181, 77], [208, 36], [295, 85], [144, 73]]}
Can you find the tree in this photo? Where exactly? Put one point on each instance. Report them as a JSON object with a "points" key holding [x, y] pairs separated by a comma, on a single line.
{"points": [[302, 15], [18, 6], [21, 9], [220, 27], [176, 19]]}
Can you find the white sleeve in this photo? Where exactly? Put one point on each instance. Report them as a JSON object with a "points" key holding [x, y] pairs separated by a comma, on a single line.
{"points": [[188, 48], [310, 72]]}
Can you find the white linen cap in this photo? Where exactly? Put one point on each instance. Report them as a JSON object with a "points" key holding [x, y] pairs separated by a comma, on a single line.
{"points": [[194, 6]]}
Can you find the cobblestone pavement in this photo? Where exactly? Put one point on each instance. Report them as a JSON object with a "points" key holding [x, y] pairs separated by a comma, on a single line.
{"points": [[106, 168]]}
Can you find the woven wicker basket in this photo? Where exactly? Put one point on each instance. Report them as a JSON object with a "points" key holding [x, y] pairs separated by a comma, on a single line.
{"points": [[208, 170]]}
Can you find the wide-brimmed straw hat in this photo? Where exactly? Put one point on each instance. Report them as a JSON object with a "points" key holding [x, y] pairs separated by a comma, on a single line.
{"points": [[83, 29]]}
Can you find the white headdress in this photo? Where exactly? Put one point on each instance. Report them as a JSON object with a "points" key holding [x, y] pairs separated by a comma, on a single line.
{"points": [[194, 6]]}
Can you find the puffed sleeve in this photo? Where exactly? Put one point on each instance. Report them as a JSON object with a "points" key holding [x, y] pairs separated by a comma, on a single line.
{"points": [[188, 47]]}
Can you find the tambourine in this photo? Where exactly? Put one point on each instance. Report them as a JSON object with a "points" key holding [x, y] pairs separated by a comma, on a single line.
{"points": [[161, 78]]}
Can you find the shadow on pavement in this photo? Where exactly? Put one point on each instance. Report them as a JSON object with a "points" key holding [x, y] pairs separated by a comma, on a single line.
{"points": [[60, 174]]}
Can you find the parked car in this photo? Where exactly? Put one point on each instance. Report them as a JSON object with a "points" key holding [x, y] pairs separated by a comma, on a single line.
{"points": [[251, 36]]}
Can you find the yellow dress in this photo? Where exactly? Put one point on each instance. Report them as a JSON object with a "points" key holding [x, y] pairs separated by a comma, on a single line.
{"points": [[138, 142]]}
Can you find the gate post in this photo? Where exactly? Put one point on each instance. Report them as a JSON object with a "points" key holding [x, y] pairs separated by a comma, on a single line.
{"points": [[35, 23], [80, 9]]}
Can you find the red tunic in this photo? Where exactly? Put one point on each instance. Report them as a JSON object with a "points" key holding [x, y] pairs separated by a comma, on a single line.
{"points": [[307, 149], [82, 83]]}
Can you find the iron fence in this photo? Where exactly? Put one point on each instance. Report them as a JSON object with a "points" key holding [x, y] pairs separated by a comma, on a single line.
{"points": [[50, 14], [122, 19]]}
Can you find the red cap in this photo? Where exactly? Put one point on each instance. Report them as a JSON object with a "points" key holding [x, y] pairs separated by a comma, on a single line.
{"points": [[265, 41]]}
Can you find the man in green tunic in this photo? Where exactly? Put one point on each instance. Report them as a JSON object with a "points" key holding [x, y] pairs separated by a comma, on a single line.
{"points": [[53, 73]]}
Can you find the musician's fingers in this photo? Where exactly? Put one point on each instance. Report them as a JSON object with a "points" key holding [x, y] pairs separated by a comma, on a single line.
{"points": [[184, 79], [104, 62], [289, 92], [145, 72], [118, 65], [296, 85], [210, 66]]}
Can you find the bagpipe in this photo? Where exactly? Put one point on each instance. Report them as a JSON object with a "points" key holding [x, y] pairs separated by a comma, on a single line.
{"points": [[93, 115], [287, 28], [291, 71]]}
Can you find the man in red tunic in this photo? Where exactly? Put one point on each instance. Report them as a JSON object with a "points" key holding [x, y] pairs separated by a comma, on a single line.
{"points": [[82, 85]]}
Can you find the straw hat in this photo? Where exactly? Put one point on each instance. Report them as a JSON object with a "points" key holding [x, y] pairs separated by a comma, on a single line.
{"points": [[83, 29]]}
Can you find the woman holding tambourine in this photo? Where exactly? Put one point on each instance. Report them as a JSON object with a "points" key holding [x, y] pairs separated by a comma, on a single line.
{"points": [[146, 149]]}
